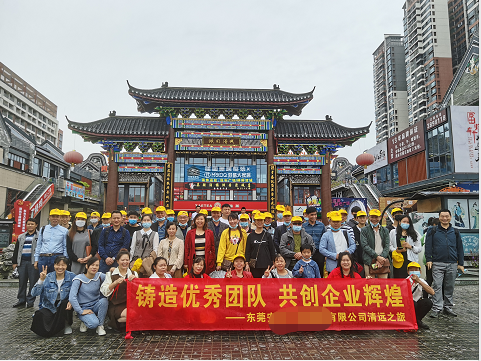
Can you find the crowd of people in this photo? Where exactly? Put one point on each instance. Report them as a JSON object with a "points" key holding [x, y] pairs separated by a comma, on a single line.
{"points": [[85, 267]]}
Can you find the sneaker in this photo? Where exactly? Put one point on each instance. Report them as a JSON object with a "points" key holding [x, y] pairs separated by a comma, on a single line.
{"points": [[30, 305], [422, 325], [101, 331], [83, 327], [434, 314], [19, 305], [67, 330], [450, 312]]}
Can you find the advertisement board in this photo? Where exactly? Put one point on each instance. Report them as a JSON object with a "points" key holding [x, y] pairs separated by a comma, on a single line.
{"points": [[74, 190], [241, 174], [42, 201], [437, 119], [406, 143], [465, 135], [22, 213], [379, 151]]}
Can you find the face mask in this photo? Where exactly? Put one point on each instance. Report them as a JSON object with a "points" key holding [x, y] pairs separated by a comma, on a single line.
{"points": [[405, 225], [306, 259], [335, 229], [287, 224], [183, 224], [296, 228], [94, 220], [267, 225], [106, 225], [233, 227], [216, 220], [80, 223], [417, 273], [161, 219], [244, 224], [306, 219], [146, 224], [279, 215], [133, 222], [398, 217], [170, 219], [374, 224]]}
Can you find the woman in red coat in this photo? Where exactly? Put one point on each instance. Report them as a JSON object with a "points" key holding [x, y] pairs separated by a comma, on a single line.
{"points": [[346, 267], [199, 242]]}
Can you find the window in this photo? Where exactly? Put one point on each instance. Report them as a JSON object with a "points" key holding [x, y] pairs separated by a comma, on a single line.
{"points": [[198, 161], [179, 169], [36, 166], [219, 195], [242, 162], [300, 194], [46, 170], [221, 162], [261, 194], [243, 195], [261, 166], [198, 195], [121, 194], [439, 151], [136, 194]]}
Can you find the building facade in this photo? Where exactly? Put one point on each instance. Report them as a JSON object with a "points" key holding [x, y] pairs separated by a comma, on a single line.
{"points": [[428, 60], [390, 93], [23, 105], [213, 146]]}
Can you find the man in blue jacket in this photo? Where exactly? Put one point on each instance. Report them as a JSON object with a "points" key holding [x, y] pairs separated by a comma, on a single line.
{"points": [[444, 255], [315, 229]]}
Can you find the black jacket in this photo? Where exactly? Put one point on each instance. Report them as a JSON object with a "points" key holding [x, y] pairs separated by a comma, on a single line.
{"points": [[444, 245], [264, 251], [277, 236], [131, 229]]}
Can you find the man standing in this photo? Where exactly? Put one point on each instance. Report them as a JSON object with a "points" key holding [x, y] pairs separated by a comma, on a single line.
{"points": [[197, 210], [269, 225], [280, 230], [395, 213], [444, 254], [95, 220], [182, 224], [24, 260], [315, 229], [216, 226], [124, 216], [361, 219], [353, 222], [225, 214], [344, 225], [133, 223], [111, 240], [374, 242], [52, 242], [291, 241], [280, 214], [159, 227], [64, 218]]}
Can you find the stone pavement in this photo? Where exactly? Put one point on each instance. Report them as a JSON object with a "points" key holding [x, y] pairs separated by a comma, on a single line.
{"points": [[448, 338]]}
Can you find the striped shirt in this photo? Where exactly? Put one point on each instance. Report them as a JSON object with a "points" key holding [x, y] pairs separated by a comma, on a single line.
{"points": [[345, 228], [200, 244], [27, 247]]}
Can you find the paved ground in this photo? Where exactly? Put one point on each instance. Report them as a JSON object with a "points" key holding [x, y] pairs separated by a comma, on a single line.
{"points": [[448, 338]]}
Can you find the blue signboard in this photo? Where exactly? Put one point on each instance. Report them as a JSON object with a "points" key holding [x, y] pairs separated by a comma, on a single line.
{"points": [[242, 174]]}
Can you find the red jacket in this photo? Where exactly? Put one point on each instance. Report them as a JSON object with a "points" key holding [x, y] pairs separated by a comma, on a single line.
{"points": [[203, 276], [337, 273], [245, 273], [189, 250]]}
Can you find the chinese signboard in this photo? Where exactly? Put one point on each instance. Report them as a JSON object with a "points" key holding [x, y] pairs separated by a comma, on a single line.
{"points": [[221, 141], [406, 143], [248, 304], [272, 188], [22, 213], [168, 184], [221, 186], [74, 190], [379, 151], [208, 205], [465, 135], [42, 201], [242, 174], [437, 119]]}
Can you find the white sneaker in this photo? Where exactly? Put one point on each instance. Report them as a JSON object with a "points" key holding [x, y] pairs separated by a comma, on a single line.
{"points": [[101, 331], [83, 327], [67, 330]]}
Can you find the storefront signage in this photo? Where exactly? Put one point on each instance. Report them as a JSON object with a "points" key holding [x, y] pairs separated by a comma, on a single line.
{"points": [[22, 213], [141, 169], [220, 186], [379, 151], [406, 143], [235, 206], [168, 185], [286, 170], [242, 174], [221, 141], [436, 119], [152, 157], [42, 201], [465, 135], [74, 190], [272, 188], [251, 304]]}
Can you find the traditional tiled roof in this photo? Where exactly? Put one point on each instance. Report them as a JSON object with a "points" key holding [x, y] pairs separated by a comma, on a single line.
{"points": [[123, 127], [317, 129], [148, 99]]}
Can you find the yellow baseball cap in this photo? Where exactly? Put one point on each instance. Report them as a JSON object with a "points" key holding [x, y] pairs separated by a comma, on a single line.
{"points": [[64, 212], [342, 211], [267, 215], [296, 219], [81, 215], [361, 213], [336, 216], [286, 213], [215, 209], [259, 215], [375, 212], [396, 210], [328, 215], [106, 215], [397, 259], [244, 216], [182, 213], [255, 211], [204, 211], [95, 214], [55, 212], [280, 208], [239, 256], [169, 211], [160, 209], [147, 210], [122, 212], [414, 264]]}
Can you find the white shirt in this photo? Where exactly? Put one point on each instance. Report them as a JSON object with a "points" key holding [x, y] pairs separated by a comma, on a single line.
{"points": [[155, 242], [193, 215], [155, 275], [417, 289], [225, 221], [378, 248], [339, 241]]}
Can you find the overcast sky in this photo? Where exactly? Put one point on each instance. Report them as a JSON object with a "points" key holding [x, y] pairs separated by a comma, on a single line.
{"points": [[80, 54]]}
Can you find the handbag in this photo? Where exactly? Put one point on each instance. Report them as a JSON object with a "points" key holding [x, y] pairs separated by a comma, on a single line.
{"points": [[385, 268], [226, 264], [88, 248], [253, 261]]}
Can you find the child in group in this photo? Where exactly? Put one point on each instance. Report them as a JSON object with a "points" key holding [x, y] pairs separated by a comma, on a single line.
{"points": [[305, 267], [278, 270], [159, 267], [239, 268]]}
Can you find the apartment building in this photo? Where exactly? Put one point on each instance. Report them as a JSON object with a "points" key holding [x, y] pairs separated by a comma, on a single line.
{"points": [[390, 94], [27, 108], [427, 46]]}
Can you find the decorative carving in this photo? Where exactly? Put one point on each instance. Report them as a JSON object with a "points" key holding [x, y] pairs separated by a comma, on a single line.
{"points": [[228, 113], [283, 149], [158, 146], [311, 149], [185, 112], [199, 112], [214, 113], [257, 114], [144, 146], [242, 113], [178, 141], [130, 146], [297, 149]]}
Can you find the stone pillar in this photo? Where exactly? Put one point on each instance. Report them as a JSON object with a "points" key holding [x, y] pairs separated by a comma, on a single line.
{"points": [[326, 200], [112, 184], [270, 147]]}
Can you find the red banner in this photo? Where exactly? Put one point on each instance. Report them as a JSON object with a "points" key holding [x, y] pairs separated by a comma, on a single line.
{"points": [[42, 201], [248, 304], [21, 214]]}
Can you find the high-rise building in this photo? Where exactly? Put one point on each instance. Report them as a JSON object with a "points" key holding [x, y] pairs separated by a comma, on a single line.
{"points": [[427, 47], [463, 24], [390, 95], [27, 108]]}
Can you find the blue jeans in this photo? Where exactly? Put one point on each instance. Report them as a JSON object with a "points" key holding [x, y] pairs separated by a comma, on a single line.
{"points": [[104, 267], [26, 272], [47, 261], [97, 318]]}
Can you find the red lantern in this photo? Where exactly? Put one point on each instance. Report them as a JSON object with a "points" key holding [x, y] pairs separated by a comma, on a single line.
{"points": [[73, 157], [365, 159]]}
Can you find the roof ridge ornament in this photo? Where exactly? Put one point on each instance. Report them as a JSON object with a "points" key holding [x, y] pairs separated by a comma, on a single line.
{"points": [[165, 84], [276, 87]]}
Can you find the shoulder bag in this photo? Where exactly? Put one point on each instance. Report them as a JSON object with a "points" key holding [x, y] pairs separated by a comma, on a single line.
{"points": [[253, 261]]}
